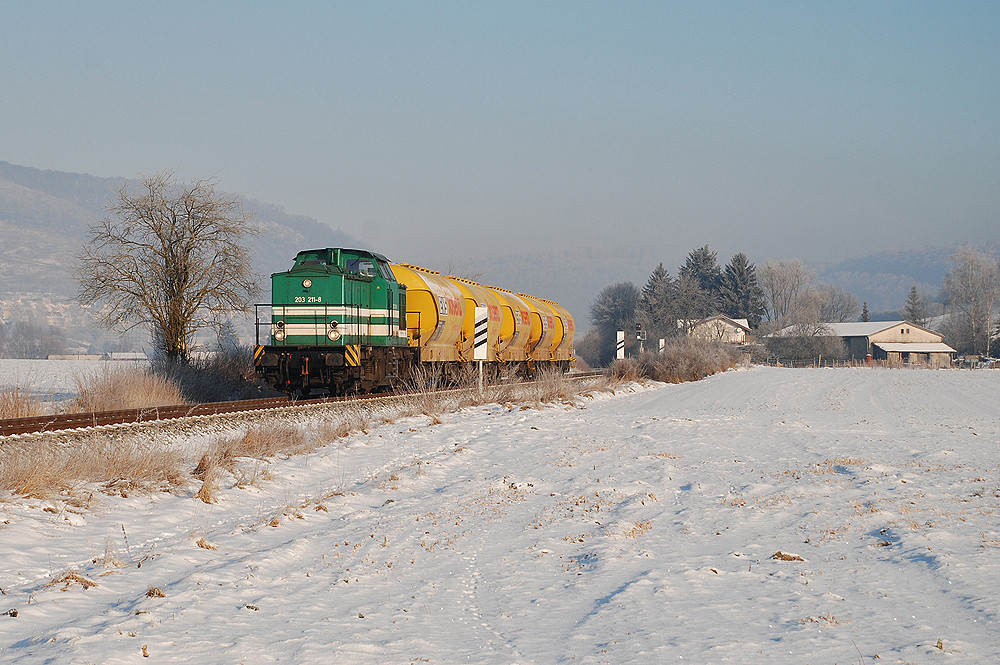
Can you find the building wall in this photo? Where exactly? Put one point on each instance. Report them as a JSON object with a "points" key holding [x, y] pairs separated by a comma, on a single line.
{"points": [[720, 330], [936, 360], [857, 347], [905, 333]]}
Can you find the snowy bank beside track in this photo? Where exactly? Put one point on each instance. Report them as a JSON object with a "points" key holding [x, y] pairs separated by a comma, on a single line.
{"points": [[631, 528]]}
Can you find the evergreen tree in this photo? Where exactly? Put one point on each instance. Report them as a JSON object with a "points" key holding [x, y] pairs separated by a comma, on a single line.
{"points": [[865, 316], [740, 297], [656, 304], [915, 309], [703, 265]]}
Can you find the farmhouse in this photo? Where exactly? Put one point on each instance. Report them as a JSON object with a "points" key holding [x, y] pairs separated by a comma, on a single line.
{"points": [[721, 328], [895, 341]]}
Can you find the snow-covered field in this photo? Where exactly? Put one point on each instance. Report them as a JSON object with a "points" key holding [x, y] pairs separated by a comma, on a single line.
{"points": [[50, 381], [631, 528]]}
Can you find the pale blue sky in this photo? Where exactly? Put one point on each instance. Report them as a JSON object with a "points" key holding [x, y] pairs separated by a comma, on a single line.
{"points": [[429, 130]]}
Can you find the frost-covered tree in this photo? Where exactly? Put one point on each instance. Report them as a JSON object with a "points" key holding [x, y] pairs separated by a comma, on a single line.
{"points": [[837, 305], [972, 291], [614, 309], [784, 283]]}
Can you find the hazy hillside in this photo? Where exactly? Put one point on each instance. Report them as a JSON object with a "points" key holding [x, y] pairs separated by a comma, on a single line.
{"points": [[884, 279], [44, 216]]}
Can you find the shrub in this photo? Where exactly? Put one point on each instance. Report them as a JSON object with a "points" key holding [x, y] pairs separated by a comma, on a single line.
{"points": [[219, 377], [806, 348], [115, 387], [683, 359]]}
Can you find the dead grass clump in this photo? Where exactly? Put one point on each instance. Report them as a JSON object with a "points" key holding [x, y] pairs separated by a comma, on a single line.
{"points": [[155, 592], [109, 559], [17, 402], [627, 370], [205, 545], [69, 578], [550, 385], [117, 387], [786, 556], [257, 443], [121, 467]]}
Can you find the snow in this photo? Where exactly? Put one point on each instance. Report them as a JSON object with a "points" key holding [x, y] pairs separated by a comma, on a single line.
{"points": [[638, 527], [50, 381]]}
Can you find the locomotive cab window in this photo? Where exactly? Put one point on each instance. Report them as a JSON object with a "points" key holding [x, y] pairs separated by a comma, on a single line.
{"points": [[361, 267]]}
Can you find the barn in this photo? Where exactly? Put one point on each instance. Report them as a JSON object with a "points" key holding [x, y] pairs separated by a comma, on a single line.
{"points": [[898, 342]]}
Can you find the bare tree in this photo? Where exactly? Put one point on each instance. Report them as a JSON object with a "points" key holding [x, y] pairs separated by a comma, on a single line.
{"points": [[838, 305], [783, 284], [972, 289], [614, 309], [171, 257]]}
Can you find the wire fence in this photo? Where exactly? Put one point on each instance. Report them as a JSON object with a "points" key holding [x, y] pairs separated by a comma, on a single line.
{"points": [[961, 363]]}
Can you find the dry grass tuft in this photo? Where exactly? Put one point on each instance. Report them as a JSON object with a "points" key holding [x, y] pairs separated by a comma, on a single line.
{"points": [[205, 545], [69, 578], [18, 402], [109, 559], [786, 556], [155, 592], [118, 387], [121, 467]]}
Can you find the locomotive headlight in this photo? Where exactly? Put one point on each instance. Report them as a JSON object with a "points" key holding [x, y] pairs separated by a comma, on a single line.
{"points": [[279, 330], [334, 335], [307, 283]]}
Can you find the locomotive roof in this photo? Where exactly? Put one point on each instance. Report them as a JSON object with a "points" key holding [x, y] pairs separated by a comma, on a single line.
{"points": [[361, 252]]}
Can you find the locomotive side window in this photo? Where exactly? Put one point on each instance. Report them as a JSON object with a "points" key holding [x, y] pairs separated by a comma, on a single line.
{"points": [[361, 267]]}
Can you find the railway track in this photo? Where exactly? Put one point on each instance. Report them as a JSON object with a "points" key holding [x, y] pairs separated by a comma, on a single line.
{"points": [[71, 421], [65, 421]]}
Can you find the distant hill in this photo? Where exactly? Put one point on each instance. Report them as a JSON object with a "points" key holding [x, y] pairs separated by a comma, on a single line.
{"points": [[884, 279], [44, 217]]}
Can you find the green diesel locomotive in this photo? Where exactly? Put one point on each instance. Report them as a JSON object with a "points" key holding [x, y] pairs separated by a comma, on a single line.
{"points": [[340, 323]]}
